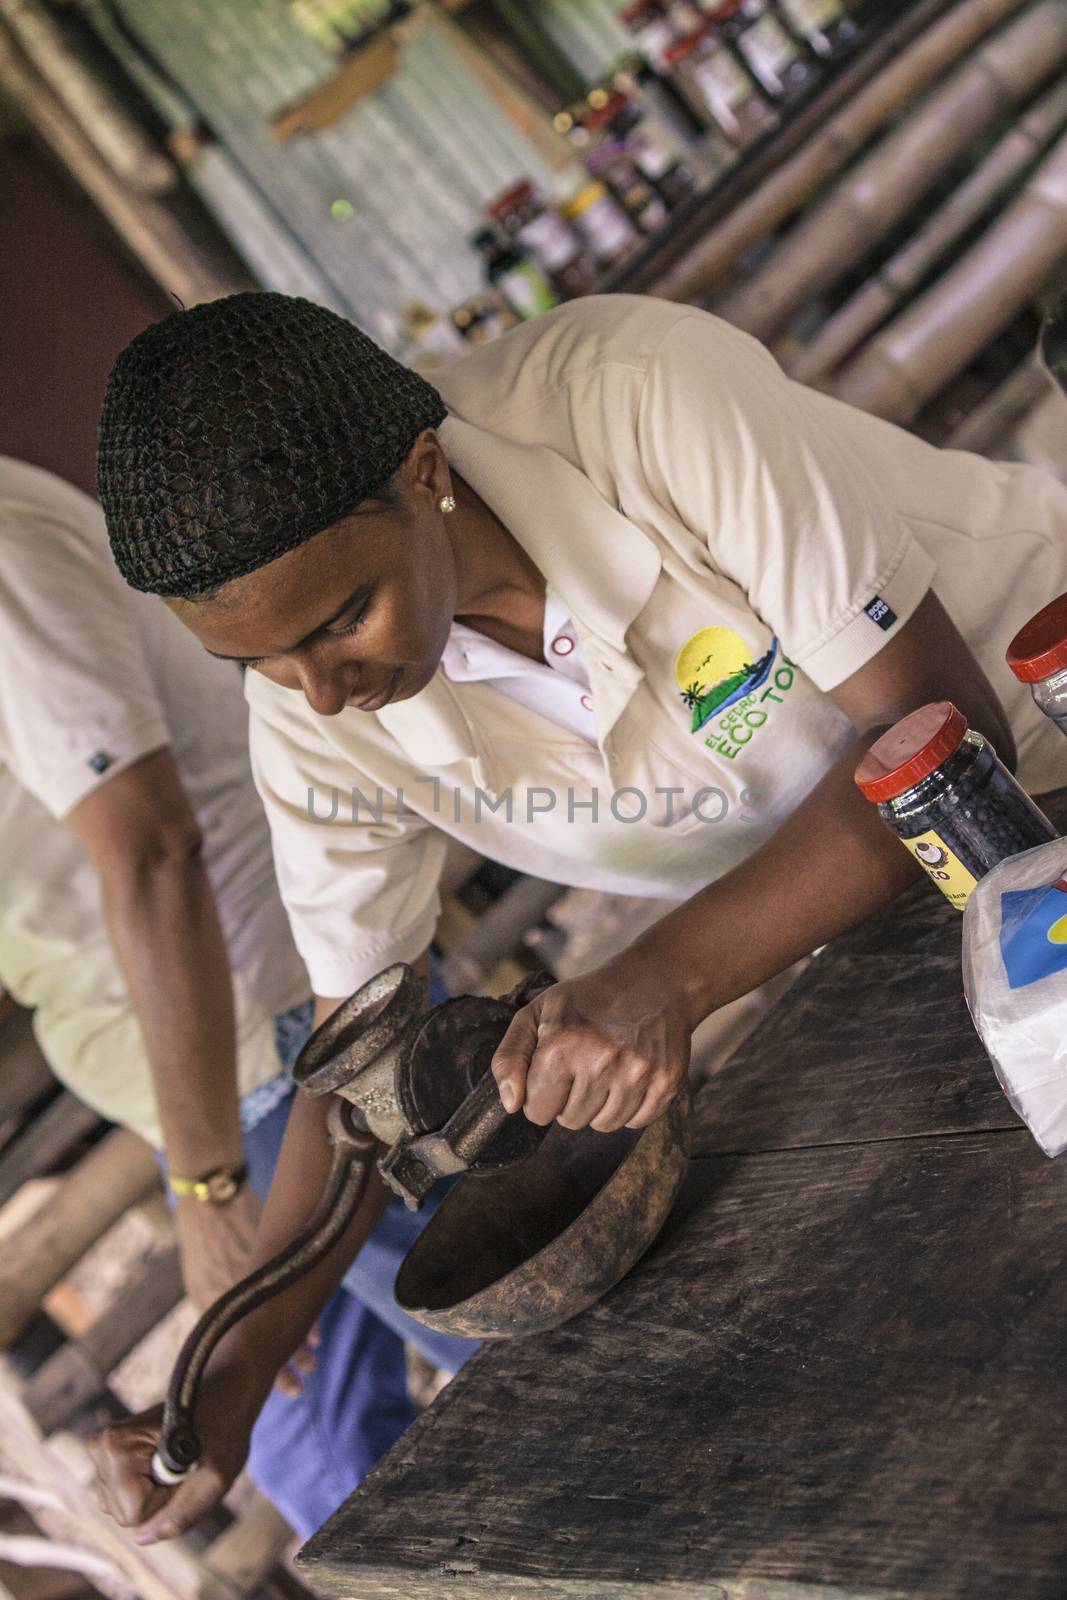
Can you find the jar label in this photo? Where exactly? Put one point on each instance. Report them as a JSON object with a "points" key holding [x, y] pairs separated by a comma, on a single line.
{"points": [[769, 51], [813, 14], [946, 869], [548, 238], [723, 83]]}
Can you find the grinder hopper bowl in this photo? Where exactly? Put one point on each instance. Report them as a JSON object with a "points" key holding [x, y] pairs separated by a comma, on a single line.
{"points": [[541, 1224]]}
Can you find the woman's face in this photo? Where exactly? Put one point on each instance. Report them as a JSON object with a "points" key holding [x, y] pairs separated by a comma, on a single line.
{"points": [[357, 616]]}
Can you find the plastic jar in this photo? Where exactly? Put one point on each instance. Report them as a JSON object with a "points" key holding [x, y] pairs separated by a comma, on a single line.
{"points": [[1038, 656], [941, 789], [522, 213], [600, 222]]}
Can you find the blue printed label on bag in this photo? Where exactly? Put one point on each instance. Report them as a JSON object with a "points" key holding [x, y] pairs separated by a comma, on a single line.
{"points": [[1033, 933]]}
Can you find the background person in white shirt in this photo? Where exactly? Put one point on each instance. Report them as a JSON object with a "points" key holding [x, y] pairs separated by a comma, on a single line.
{"points": [[753, 581], [141, 921]]}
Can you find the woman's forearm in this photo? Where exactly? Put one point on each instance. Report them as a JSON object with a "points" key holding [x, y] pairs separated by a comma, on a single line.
{"points": [[165, 930], [829, 866]]}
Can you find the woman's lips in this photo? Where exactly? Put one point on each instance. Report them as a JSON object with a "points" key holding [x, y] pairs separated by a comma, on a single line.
{"points": [[380, 699]]}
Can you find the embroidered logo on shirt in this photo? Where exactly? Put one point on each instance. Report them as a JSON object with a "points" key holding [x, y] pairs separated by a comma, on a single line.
{"points": [[99, 761], [880, 613], [721, 684]]}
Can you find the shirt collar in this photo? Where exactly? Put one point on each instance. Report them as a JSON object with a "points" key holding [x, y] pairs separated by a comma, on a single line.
{"points": [[601, 565]]}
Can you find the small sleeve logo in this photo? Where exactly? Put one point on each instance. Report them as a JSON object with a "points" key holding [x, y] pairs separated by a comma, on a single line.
{"points": [[880, 613]]}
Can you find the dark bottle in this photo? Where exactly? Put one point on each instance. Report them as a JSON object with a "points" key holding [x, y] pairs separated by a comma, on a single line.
{"points": [[610, 158], [940, 788], [556, 248], [656, 156], [770, 52], [515, 275], [659, 99], [824, 25]]}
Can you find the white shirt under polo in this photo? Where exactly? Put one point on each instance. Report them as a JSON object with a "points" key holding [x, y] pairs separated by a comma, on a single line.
{"points": [[730, 547], [94, 677], [556, 688]]}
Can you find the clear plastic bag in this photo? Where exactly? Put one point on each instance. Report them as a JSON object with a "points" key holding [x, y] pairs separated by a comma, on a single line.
{"points": [[1015, 980]]}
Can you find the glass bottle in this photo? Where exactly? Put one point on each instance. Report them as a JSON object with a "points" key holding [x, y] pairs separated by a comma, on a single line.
{"points": [[515, 275], [648, 22], [601, 223], [522, 214], [941, 789], [773, 56], [824, 25], [719, 89], [609, 158]]}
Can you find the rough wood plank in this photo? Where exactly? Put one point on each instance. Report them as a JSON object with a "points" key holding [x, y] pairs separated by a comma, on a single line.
{"points": [[808, 1382], [873, 1041]]}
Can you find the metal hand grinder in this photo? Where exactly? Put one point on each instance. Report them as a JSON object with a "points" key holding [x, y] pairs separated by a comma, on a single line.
{"points": [[543, 1222]]}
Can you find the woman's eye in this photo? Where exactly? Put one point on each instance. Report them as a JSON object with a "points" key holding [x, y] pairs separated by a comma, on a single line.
{"points": [[349, 627]]}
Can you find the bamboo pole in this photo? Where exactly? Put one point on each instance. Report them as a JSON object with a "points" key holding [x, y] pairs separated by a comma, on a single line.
{"points": [[47, 1140], [497, 933], [936, 336], [113, 1176], [704, 268], [106, 123], [902, 274], [984, 427], [156, 234], [882, 188], [78, 1372]]}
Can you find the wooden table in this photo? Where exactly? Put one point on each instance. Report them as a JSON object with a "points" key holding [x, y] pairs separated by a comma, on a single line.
{"points": [[841, 1372]]}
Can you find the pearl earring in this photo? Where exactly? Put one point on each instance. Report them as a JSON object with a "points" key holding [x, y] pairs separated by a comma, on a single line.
{"points": [[446, 505]]}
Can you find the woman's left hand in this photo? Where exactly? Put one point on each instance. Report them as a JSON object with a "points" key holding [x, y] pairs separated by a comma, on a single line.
{"points": [[607, 1050]]}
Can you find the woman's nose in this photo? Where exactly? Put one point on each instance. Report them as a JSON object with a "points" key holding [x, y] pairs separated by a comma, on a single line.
{"points": [[326, 692]]}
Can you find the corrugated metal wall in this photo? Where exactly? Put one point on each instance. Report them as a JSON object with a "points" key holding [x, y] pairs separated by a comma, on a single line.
{"points": [[586, 31], [417, 160]]}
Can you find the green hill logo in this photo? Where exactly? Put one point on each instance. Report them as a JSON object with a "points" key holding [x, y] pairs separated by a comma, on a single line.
{"points": [[714, 672]]}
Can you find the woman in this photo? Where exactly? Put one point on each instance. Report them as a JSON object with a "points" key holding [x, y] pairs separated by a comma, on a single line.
{"points": [[617, 604]]}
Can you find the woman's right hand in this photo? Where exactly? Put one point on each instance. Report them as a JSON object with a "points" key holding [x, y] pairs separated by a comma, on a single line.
{"points": [[125, 1487]]}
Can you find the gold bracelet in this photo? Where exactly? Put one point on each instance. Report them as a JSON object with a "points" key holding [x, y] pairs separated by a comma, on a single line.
{"points": [[214, 1188]]}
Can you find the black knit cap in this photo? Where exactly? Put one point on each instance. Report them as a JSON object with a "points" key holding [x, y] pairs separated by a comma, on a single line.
{"points": [[238, 430]]}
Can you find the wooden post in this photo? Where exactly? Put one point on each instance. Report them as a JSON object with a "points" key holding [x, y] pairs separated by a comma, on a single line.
{"points": [[48, 1139], [78, 1372], [497, 932], [113, 1176], [25, 1075], [984, 427], [936, 336], [905, 165], [708, 264], [894, 282]]}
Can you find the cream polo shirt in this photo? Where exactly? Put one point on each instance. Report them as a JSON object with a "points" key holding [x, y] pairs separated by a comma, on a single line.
{"points": [[730, 547], [92, 678]]}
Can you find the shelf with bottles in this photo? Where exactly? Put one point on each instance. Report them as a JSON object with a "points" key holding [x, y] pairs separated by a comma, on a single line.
{"points": [[652, 141]]}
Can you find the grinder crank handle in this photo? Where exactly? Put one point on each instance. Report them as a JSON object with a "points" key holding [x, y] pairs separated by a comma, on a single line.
{"points": [[178, 1450]]}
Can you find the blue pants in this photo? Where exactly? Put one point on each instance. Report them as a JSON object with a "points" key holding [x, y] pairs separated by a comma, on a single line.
{"points": [[309, 1453]]}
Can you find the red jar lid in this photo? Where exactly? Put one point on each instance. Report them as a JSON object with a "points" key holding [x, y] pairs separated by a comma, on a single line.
{"points": [[629, 15], [910, 750], [1040, 647], [511, 200], [681, 48]]}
